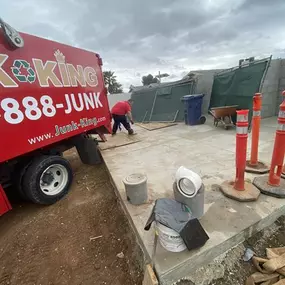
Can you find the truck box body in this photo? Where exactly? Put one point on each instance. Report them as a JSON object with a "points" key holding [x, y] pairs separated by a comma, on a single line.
{"points": [[48, 92], [52, 97]]}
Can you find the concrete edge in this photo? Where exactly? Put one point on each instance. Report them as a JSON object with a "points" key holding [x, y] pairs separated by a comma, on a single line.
{"points": [[146, 257], [183, 270]]}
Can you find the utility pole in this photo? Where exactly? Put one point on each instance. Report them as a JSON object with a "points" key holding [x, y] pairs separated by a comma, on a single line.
{"points": [[163, 75]]}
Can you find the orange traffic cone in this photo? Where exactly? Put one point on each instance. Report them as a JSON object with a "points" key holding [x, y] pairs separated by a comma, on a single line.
{"points": [[273, 185], [253, 165]]}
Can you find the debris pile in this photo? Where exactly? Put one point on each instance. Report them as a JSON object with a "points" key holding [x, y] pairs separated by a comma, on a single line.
{"points": [[270, 270]]}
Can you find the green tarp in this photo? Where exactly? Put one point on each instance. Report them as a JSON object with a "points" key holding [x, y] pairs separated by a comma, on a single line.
{"points": [[161, 102], [237, 86]]}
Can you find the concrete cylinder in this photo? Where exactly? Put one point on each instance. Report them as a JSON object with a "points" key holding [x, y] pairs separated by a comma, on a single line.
{"points": [[136, 188], [196, 203]]}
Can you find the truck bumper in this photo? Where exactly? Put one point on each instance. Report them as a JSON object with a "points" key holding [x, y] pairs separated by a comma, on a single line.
{"points": [[5, 205]]}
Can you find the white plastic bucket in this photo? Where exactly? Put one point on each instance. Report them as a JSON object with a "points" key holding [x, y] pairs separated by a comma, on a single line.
{"points": [[170, 239], [188, 182]]}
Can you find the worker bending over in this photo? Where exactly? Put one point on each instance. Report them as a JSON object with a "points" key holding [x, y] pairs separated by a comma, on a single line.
{"points": [[120, 112]]}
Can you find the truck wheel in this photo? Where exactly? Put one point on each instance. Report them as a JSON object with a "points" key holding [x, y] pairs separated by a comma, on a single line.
{"points": [[18, 182], [47, 179]]}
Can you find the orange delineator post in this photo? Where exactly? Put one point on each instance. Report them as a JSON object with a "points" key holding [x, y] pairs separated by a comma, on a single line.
{"points": [[256, 116], [241, 148], [279, 148]]}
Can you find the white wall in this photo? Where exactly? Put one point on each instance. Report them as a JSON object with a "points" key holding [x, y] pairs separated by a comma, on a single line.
{"points": [[114, 98]]}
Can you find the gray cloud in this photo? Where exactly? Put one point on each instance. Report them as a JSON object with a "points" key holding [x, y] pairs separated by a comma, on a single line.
{"points": [[139, 37]]}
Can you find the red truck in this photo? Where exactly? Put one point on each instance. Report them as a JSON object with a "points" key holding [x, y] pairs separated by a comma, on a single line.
{"points": [[52, 98]]}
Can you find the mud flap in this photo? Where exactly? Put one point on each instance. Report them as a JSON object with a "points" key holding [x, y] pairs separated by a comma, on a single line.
{"points": [[5, 205], [87, 149]]}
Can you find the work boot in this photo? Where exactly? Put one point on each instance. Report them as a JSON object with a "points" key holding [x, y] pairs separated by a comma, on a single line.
{"points": [[131, 132]]}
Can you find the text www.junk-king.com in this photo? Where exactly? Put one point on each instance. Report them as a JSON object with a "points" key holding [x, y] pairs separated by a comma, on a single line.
{"points": [[61, 130]]}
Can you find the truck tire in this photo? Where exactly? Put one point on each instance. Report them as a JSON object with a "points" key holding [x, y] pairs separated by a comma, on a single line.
{"points": [[47, 179], [18, 181]]}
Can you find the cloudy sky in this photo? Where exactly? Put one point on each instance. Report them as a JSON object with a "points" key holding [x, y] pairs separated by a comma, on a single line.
{"points": [[137, 37]]}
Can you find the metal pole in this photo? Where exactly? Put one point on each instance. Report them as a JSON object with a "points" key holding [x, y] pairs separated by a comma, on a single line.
{"points": [[264, 74], [175, 117], [144, 116], [153, 104]]}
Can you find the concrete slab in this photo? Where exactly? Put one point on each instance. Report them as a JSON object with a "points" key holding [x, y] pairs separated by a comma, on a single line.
{"points": [[210, 152]]}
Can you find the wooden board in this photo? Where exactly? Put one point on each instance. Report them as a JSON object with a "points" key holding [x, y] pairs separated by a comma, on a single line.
{"points": [[149, 276], [155, 126], [120, 139]]}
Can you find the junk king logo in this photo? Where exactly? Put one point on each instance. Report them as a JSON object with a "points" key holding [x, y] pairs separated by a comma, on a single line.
{"points": [[69, 76], [17, 67], [57, 73]]}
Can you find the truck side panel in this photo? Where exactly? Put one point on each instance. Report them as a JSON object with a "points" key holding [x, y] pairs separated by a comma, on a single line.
{"points": [[48, 92]]}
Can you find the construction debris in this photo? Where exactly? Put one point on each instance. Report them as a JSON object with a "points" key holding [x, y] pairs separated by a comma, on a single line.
{"points": [[93, 238], [270, 270], [249, 253], [120, 255]]}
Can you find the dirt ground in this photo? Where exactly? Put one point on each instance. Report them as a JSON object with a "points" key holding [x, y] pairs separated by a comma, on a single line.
{"points": [[75, 241]]}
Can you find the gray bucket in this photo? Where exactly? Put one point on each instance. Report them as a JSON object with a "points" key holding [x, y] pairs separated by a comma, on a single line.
{"points": [[136, 188], [196, 204]]}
